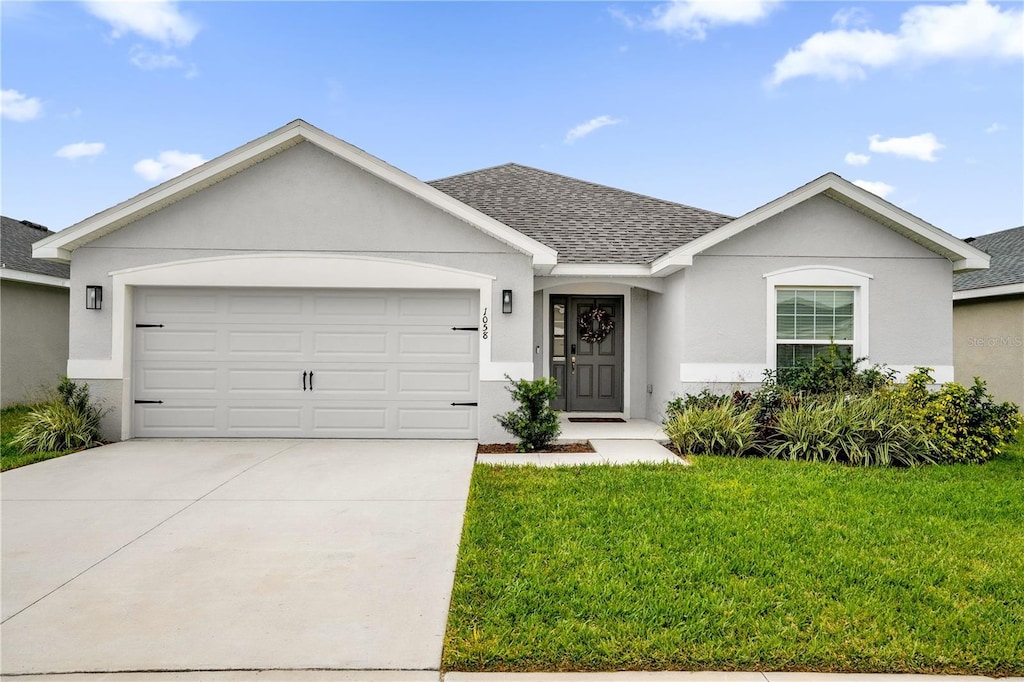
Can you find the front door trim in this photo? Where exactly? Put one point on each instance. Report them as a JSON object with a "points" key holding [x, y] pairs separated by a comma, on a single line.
{"points": [[592, 289]]}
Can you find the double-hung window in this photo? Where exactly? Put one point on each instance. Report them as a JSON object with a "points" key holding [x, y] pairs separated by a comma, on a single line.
{"points": [[811, 307], [807, 321]]}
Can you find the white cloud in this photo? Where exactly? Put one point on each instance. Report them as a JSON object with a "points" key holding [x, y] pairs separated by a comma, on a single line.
{"points": [[880, 188], [167, 165], [995, 128], [850, 16], [920, 147], [584, 129], [148, 61], [19, 107], [158, 20], [971, 30], [692, 18], [855, 159], [80, 149]]}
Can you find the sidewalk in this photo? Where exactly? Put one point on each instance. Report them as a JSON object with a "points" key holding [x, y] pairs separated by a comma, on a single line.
{"points": [[434, 676]]}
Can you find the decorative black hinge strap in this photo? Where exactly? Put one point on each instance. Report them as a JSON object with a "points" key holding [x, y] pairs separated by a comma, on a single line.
{"points": [[465, 329], [464, 405], [149, 402], [145, 326]]}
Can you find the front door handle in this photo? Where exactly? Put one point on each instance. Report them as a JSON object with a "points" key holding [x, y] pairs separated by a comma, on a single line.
{"points": [[573, 361]]}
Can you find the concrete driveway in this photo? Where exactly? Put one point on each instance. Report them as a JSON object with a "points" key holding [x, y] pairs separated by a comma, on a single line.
{"points": [[232, 555]]}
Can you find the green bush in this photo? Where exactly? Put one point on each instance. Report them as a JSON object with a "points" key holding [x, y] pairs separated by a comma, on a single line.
{"points": [[963, 424], [871, 430], [68, 422], [721, 428], [831, 373], [534, 423]]}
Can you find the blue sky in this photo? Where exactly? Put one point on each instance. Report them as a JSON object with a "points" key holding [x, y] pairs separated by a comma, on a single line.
{"points": [[721, 105]]}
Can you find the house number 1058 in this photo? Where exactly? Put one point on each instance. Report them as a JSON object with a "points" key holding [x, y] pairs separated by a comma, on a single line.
{"points": [[484, 329]]}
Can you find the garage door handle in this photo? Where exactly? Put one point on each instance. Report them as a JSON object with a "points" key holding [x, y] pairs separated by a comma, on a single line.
{"points": [[311, 381], [149, 402], [464, 405], [304, 381]]}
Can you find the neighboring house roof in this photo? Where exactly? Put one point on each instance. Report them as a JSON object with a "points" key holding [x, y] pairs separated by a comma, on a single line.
{"points": [[1006, 270], [16, 262], [584, 221], [59, 246]]}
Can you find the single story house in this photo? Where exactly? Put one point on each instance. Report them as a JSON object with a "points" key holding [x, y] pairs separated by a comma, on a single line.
{"points": [[33, 315], [988, 317], [298, 286]]}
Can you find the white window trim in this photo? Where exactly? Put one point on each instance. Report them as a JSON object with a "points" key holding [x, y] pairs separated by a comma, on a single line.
{"points": [[818, 277]]}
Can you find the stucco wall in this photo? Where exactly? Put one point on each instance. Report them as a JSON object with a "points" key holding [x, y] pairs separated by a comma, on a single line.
{"points": [[306, 200], [988, 342], [715, 311], [33, 340]]}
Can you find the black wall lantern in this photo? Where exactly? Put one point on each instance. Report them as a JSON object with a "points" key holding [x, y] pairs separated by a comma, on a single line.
{"points": [[93, 297], [506, 300]]}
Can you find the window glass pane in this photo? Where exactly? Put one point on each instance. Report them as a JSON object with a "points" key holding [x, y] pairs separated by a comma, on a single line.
{"points": [[823, 328], [558, 347], [558, 323], [785, 302], [789, 355], [844, 328], [785, 327], [804, 302], [844, 303], [803, 327], [824, 302]]}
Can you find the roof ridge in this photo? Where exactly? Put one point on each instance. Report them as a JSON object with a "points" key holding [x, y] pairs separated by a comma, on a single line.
{"points": [[996, 233]]}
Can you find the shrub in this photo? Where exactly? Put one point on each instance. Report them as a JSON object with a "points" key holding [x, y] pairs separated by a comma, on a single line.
{"points": [[534, 423], [964, 424], [831, 373], [871, 430], [720, 428], [68, 422], [704, 399]]}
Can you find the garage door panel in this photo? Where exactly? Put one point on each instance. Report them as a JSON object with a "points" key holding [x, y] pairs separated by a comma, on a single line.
{"points": [[177, 380], [268, 421], [385, 364]]}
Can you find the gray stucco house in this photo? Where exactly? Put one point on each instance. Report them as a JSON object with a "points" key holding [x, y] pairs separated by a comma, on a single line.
{"points": [[33, 315], [298, 286], [988, 317]]}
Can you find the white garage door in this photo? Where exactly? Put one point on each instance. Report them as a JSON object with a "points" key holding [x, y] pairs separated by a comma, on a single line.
{"points": [[300, 363]]}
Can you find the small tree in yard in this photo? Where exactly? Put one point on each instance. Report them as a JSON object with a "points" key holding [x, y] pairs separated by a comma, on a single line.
{"points": [[533, 422]]}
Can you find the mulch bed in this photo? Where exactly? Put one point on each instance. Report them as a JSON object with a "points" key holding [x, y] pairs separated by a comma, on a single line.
{"points": [[505, 448]]}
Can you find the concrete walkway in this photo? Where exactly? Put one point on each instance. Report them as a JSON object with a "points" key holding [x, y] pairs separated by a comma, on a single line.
{"points": [[240, 555]]}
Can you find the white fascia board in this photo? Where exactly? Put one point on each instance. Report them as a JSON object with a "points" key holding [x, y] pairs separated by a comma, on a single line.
{"points": [[601, 270], [963, 255], [34, 278], [987, 292], [60, 245]]}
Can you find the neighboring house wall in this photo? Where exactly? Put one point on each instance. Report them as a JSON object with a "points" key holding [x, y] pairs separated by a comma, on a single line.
{"points": [[988, 342], [302, 200], [710, 327], [33, 340]]}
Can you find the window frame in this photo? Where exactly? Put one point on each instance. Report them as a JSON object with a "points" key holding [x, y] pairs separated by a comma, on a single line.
{"points": [[817, 277]]}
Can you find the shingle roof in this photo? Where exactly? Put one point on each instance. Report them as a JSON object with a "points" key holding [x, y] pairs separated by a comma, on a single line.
{"points": [[1007, 265], [16, 238], [585, 222]]}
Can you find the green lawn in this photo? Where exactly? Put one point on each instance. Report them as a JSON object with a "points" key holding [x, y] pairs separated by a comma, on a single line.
{"points": [[10, 456], [743, 564]]}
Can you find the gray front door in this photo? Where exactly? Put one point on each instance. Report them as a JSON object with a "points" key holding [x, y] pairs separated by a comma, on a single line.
{"points": [[589, 374]]}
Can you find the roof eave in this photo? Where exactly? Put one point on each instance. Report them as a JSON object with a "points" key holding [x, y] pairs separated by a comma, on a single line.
{"points": [[989, 292], [963, 256]]}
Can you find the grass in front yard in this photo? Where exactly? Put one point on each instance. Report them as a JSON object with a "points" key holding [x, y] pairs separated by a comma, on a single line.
{"points": [[743, 564], [10, 456]]}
